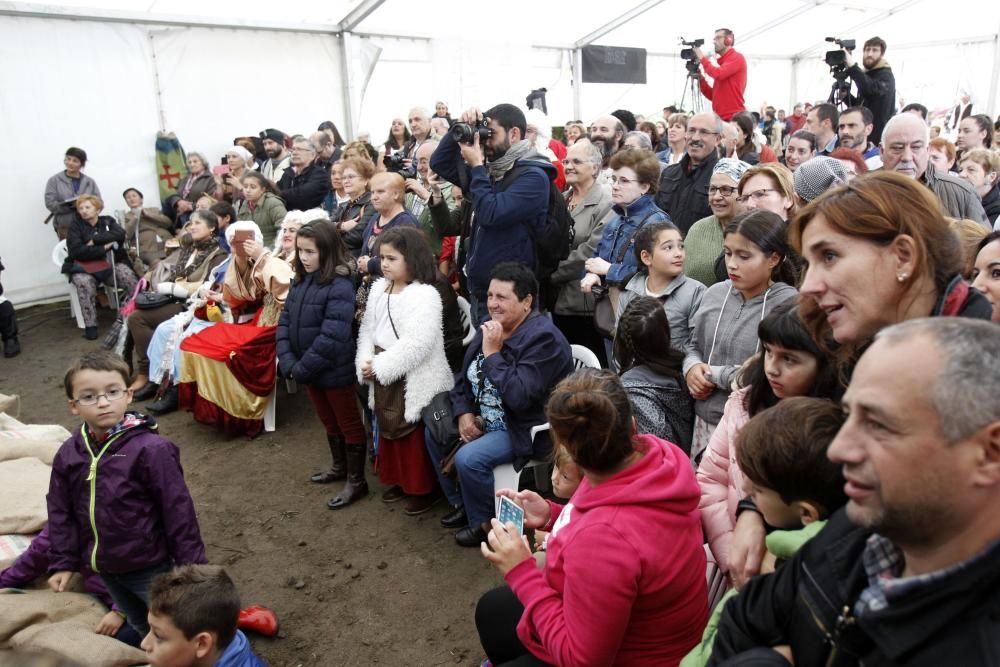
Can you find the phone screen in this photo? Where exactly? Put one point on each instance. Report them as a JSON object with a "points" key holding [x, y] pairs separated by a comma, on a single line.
{"points": [[512, 512]]}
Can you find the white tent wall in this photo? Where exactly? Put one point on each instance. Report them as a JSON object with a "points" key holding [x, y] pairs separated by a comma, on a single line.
{"points": [[74, 84], [93, 85]]}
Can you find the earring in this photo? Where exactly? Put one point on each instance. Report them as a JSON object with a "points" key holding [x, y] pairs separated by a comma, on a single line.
{"points": [[901, 277]]}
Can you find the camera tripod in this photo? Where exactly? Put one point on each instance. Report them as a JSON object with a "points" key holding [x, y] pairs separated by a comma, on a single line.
{"points": [[691, 87], [840, 91]]}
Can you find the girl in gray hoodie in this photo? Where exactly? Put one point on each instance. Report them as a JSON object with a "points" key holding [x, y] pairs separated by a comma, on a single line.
{"points": [[724, 329]]}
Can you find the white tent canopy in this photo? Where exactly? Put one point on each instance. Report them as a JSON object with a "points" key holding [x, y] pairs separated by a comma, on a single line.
{"points": [[106, 77]]}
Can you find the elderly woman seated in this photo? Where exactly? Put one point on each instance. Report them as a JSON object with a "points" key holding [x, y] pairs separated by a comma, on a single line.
{"points": [[510, 367], [200, 254], [228, 371]]}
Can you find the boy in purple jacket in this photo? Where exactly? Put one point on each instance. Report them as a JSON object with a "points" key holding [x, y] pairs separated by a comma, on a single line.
{"points": [[117, 493]]}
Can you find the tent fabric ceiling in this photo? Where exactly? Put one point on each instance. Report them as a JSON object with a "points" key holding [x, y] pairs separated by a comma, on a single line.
{"points": [[782, 28]]}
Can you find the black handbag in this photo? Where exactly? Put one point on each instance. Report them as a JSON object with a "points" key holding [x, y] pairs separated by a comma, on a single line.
{"points": [[150, 300], [440, 421]]}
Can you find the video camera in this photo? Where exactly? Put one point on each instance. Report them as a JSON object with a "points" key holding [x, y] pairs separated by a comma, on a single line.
{"points": [[395, 163], [837, 60], [688, 55]]}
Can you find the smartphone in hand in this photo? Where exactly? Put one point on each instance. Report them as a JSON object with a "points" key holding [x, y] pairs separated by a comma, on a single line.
{"points": [[512, 512]]}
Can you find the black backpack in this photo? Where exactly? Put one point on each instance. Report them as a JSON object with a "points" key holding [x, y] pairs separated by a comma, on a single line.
{"points": [[553, 241]]}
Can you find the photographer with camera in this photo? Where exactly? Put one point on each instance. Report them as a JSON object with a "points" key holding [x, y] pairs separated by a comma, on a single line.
{"points": [[729, 75], [507, 183], [876, 84]]}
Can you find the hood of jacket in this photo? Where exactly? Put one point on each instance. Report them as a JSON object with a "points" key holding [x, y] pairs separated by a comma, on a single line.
{"points": [[881, 64], [131, 420], [239, 654], [662, 477]]}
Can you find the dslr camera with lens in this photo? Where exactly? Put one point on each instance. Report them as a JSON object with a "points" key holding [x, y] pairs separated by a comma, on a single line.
{"points": [[464, 133], [396, 164]]}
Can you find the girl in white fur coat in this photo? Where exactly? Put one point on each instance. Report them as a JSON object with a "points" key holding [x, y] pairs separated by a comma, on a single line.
{"points": [[401, 338]]}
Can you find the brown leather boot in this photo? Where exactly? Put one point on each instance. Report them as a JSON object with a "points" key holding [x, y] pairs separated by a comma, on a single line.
{"points": [[356, 487], [338, 469]]}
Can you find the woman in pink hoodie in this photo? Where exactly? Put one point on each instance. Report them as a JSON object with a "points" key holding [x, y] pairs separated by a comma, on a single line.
{"points": [[624, 579]]}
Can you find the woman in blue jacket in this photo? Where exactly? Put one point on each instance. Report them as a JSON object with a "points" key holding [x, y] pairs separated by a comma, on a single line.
{"points": [[636, 173], [316, 348]]}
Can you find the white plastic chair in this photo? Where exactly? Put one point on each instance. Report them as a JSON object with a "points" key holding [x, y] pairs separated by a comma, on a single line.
{"points": [[504, 475], [59, 254], [465, 310]]}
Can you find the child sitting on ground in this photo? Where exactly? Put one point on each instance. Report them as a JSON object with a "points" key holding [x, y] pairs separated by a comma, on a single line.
{"points": [[566, 476], [117, 499], [782, 453], [192, 615]]}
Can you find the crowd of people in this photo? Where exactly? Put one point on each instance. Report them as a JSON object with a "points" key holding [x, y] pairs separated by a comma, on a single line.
{"points": [[755, 289]]}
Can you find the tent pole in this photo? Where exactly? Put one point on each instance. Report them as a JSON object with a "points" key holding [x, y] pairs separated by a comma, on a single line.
{"points": [[347, 73], [794, 89], [577, 69], [156, 82], [991, 103]]}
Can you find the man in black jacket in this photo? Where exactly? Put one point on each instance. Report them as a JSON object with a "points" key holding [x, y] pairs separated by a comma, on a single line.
{"points": [[683, 190], [876, 84], [304, 185], [909, 572]]}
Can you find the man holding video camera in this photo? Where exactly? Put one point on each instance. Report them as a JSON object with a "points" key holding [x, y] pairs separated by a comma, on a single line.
{"points": [[729, 75], [507, 183], [876, 84]]}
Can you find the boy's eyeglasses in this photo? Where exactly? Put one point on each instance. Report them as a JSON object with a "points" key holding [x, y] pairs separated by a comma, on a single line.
{"points": [[92, 399]]}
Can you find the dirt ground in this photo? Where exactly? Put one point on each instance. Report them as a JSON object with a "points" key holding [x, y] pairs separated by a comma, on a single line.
{"points": [[361, 586]]}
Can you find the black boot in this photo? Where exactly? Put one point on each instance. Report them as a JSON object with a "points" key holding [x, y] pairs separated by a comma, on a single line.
{"points": [[356, 487], [90, 333], [146, 392], [8, 330], [166, 404], [338, 469]]}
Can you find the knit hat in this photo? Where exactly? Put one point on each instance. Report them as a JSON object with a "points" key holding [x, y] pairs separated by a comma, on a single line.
{"points": [[243, 153], [277, 136], [731, 167], [816, 176]]}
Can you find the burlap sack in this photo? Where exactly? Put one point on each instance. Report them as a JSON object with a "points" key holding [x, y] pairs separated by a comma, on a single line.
{"points": [[63, 623], [23, 485], [10, 404], [39, 441]]}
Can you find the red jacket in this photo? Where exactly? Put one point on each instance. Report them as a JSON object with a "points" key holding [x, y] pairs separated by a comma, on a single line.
{"points": [[730, 81], [624, 579]]}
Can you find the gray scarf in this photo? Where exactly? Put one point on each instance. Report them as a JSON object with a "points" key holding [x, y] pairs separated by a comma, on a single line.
{"points": [[503, 164]]}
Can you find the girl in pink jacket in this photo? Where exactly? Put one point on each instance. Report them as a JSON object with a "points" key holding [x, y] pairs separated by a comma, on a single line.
{"points": [[789, 363], [624, 580]]}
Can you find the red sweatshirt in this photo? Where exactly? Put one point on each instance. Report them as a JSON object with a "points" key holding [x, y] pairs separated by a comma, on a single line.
{"points": [[730, 81], [624, 579]]}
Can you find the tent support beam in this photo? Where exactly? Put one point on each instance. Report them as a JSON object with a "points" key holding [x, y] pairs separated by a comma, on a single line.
{"points": [[991, 109], [347, 84], [359, 14], [864, 24], [761, 29], [145, 18], [614, 24], [577, 69]]}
